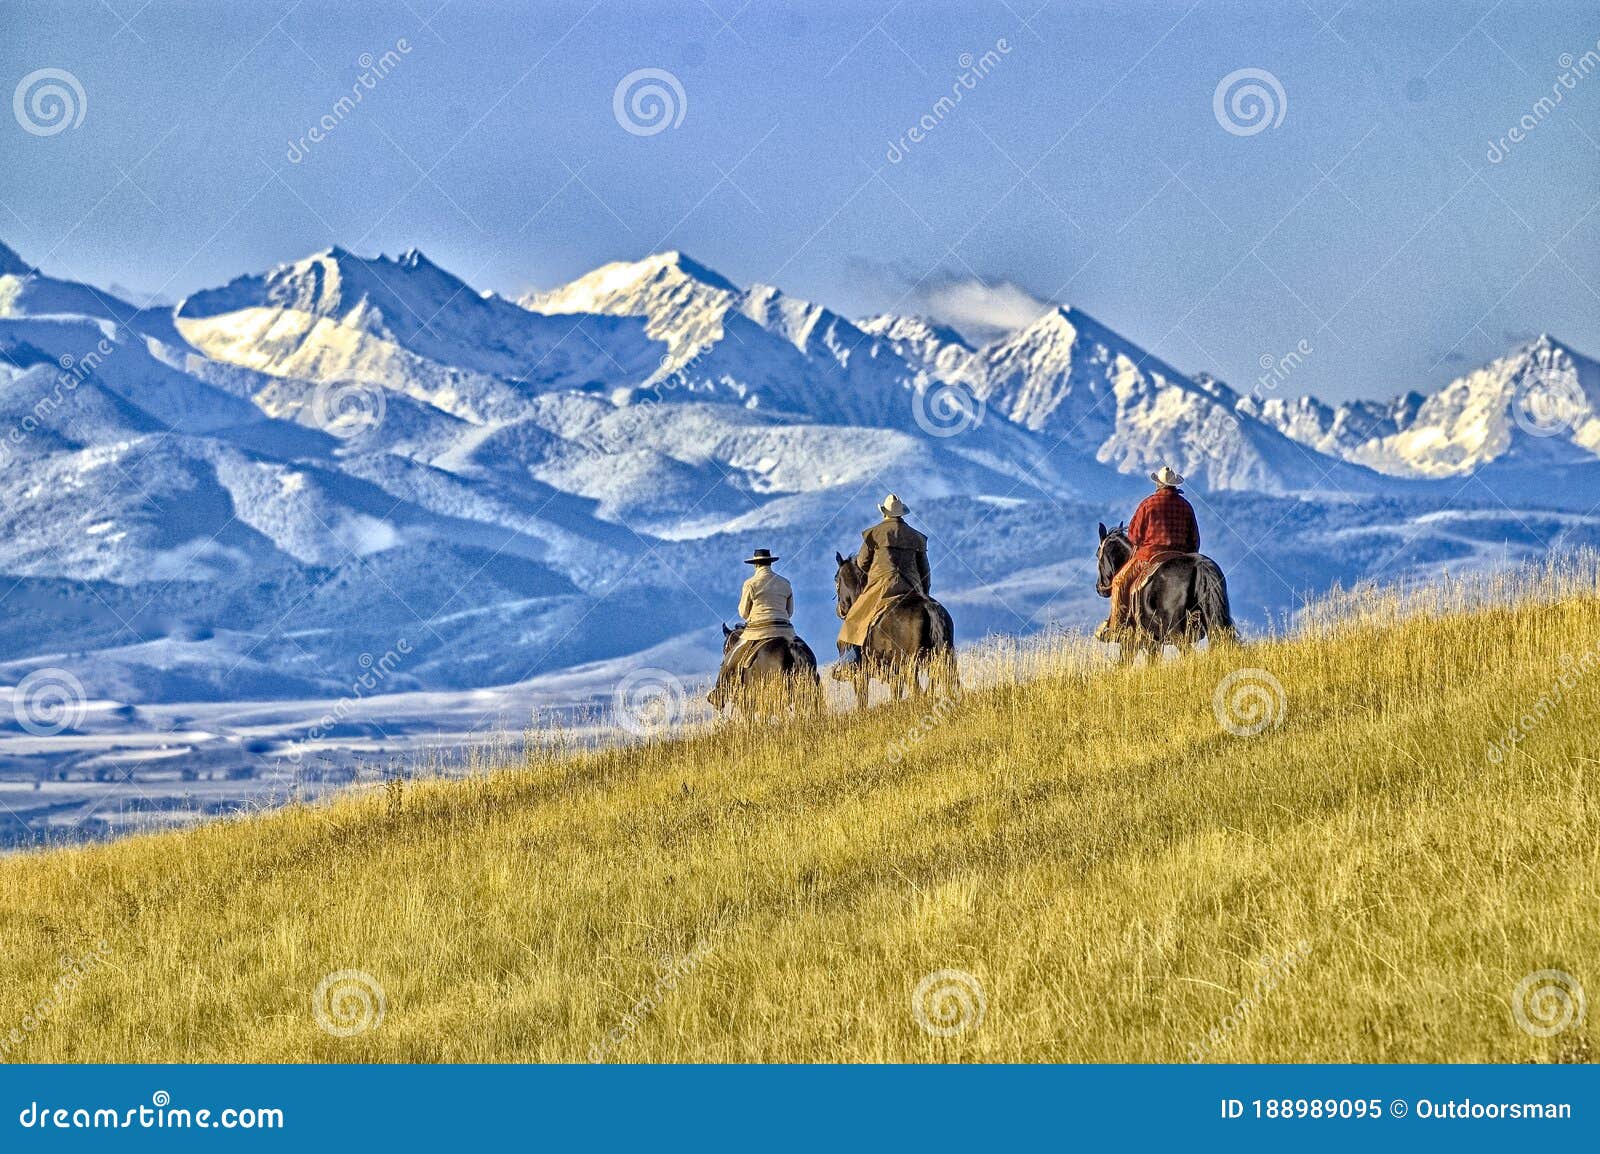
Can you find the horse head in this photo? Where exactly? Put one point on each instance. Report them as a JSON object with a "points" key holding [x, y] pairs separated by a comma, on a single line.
{"points": [[847, 582], [731, 638], [1114, 552]]}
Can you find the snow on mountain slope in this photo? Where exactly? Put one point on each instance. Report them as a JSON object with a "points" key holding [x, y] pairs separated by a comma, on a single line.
{"points": [[577, 477], [120, 362], [1079, 383], [753, 346], [1336, 431], [939, 348], [1537, 406], [143, 509], [27, 292], [407, 325]]}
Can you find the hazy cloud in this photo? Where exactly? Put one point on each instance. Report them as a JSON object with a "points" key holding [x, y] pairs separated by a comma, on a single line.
{"points": [[979, 310]]}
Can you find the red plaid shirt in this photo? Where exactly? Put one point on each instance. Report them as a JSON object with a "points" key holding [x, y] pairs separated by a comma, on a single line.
{"points": [[1164, 520]]}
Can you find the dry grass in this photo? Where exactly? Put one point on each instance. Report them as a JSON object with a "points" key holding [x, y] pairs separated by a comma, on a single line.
{"points": [[1106, 860]]}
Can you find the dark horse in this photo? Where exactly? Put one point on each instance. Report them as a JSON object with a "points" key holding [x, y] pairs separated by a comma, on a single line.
{"points": [[914, 635], [776, 677], [1184, 600]]}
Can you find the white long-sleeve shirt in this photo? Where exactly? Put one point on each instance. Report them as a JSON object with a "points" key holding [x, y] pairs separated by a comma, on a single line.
{"points": [[766, 603]]}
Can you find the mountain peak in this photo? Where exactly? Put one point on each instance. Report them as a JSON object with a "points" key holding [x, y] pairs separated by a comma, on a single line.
{"points": [[623, 287], [11, 264], [413, 258], [684, 264], [1544, 343]]}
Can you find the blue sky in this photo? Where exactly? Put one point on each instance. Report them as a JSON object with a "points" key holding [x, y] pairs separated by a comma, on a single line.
{"points": [[1087, 166]]}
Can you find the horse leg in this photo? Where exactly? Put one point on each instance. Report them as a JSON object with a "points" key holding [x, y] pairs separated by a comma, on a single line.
{"points": [[862, 684], [895, 671]]}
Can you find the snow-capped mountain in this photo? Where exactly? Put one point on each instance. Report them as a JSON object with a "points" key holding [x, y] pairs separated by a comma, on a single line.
{"points": [[411, 327], [755, 346], [1083, 386], [1537, 406], [251, 494]]}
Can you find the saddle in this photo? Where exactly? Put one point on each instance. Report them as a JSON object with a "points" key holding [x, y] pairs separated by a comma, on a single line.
{"points": [[744, 654], [1152, 566]]}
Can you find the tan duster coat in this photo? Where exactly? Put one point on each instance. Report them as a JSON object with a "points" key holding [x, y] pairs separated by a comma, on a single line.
{"points": [[895, 559], [766, 603]]}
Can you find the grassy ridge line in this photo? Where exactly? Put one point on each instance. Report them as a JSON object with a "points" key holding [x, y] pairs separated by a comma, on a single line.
{"points": [[1106, 860]]}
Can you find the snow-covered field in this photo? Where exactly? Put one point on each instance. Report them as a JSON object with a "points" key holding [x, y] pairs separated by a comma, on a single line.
{"points": [[333, 519]]}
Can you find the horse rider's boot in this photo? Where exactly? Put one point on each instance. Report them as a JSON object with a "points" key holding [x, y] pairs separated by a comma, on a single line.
{"points": [[1106, 632], [849, 663]]}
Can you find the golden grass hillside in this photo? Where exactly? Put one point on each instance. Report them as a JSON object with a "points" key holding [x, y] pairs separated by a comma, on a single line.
{"points": [[1103, 863]]}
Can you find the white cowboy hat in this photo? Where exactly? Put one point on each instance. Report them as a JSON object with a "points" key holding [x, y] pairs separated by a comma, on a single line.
{"points": [[1167, 477], [893, 507]]}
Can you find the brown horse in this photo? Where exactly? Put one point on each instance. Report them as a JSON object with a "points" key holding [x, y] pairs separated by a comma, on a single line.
{"points": [[914, 635], [777, 677], [1183, 601]]}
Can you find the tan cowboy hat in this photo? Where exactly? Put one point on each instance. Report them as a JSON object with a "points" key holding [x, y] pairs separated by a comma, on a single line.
{"points": [[1167, 477], [893, 507], [761, 557]]}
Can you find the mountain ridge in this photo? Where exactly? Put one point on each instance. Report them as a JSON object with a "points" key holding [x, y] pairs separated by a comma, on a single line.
{"points": [[272, 477]]}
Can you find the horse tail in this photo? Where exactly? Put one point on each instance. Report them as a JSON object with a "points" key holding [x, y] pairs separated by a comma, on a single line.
{"points": [[1211, 595], [940, 636]]}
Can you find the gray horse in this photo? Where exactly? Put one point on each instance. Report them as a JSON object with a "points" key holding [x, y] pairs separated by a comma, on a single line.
{"points": [[913, 636], [1183, 601]]}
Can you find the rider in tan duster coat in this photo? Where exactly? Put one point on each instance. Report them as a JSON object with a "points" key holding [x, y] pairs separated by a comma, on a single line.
{"points": [[894, 557]]}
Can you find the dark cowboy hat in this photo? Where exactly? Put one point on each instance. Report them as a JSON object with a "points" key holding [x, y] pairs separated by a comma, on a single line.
{"points": [[762, 557]]}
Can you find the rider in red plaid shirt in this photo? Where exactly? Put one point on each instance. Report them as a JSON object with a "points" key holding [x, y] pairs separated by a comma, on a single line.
{"points": [[1163, 523]]}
